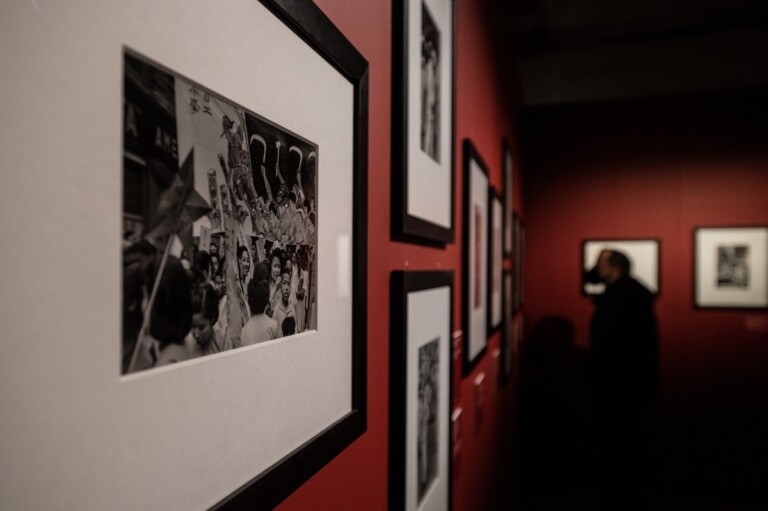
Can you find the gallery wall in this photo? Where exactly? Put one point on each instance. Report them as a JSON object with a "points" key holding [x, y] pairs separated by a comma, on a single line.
{"points": [[658, 168], [655, 168], [61, 307], [357, 478]]}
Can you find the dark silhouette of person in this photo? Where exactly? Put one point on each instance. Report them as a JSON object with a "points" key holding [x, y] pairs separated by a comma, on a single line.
{"points": [[553, 458], [622, 377]]}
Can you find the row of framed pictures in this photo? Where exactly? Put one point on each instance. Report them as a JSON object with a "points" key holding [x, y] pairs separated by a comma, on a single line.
{"points": [[420, 345], [423, 134], [212, 167], [730, 265], [492, 231]]}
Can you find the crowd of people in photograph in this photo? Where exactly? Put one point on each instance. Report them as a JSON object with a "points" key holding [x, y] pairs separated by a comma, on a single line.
{"points": [[277, 292], [191, 314], [220, 256], [247, 276]]}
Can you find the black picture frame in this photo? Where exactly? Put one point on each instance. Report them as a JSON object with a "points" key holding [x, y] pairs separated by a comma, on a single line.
{"points": [[495, 264], [423, 228], [408, 299], [644, 255], [508, 346], [517, 264], [475, 254], [520, 244], [267, 489], [507, 168], [718, 252]]}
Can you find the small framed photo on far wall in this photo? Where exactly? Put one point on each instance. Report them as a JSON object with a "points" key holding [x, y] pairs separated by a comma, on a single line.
{"points": [[643, 255], [731, 267]]}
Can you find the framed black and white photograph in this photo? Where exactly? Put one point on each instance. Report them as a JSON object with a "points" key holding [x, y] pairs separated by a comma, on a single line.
{"points": [[475, 271], [518, 262], [205, 204], [520, 265], [420, 380], [507, 165], [731, 267], [495, 257], [217, 198], [643, 255], [423, 121]]}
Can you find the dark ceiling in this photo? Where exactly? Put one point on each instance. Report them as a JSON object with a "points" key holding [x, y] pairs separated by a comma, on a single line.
{"points": [[571, 51]]}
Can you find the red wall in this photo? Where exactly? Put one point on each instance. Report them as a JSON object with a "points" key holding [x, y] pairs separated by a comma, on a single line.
{"points": [[357, 478], [658, 168]]}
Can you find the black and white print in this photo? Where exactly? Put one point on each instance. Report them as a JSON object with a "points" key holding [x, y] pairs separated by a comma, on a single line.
{"points": [[430, 85], [219, 223], [429, 372], [733, 266]]}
